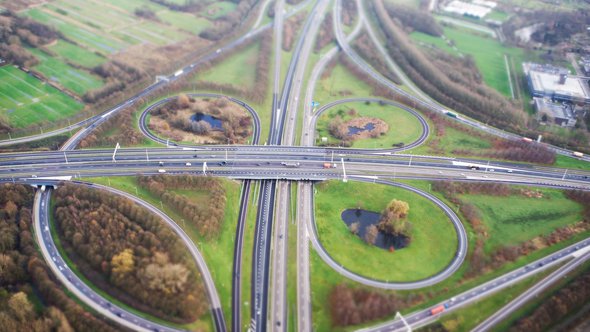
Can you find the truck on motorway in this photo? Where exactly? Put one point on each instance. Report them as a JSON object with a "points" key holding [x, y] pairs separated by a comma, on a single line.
{"points": [[178, 73], [439, 309], [577, 154], [329, 165], [526, 139], [161, 171], [290, 165], [451, 114]]}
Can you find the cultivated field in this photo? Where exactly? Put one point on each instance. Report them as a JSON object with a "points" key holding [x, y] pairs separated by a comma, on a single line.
{"points": [[25, 100]]}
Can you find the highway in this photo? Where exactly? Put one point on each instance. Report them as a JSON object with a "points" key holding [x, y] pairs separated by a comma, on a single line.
{"points": [[95, 300], [424, 317], [532, 292]]}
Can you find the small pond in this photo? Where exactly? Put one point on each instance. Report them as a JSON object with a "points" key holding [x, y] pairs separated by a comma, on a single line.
{"points": [[367, 218], [213, 121], [353, 130]]}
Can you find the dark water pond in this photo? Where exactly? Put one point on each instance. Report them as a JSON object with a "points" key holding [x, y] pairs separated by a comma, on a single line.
{"points": [[352, 130], [213, 121], [367, 218]]}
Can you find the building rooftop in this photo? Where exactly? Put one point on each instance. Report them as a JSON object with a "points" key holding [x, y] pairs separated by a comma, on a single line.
{"points": [[561, 113], [468, 9], [554, 81]]}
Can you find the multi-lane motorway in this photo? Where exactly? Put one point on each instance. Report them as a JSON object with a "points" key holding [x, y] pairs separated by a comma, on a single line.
{"points": [[281, 161]]}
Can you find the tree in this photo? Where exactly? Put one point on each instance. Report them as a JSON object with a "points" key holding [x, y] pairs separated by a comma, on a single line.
{"points": [[183, 101], [371, 234], [20, 307], [354, 228], [123, 262]]}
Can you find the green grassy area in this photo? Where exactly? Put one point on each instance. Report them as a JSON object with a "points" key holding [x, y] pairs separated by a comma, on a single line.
{"points": [[77, 54], [197, 325], [341, 79], [487, 52], [497, 15], [247, 249], [403, 126], [541, 4], [24, 100], [324, 278], [514, 219], [408, 3], [184, 21], [452, 140], [218, 253], [218, 9], [76, 80], [433, 237], [571, 162], [238, 69]]}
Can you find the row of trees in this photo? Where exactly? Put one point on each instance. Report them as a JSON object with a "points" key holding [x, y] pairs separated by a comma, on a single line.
{"points": [[365, 47], [16, 31], [24, 275], [349, 12], [127, 251], [557, 307], [207, 216], [290, 30], [414, 19], [117, 75], [352, 306], [479, 102], [326, 33]]}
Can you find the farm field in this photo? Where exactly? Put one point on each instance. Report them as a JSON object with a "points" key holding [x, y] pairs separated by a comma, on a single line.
{"points": [[25, 100], [75, 54], [76, 80]]}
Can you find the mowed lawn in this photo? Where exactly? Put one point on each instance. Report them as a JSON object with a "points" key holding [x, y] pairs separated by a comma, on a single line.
{"points": [[434, 240], [514, 219], [340, 80], [487, 52], [403, 126], [25, 100]]}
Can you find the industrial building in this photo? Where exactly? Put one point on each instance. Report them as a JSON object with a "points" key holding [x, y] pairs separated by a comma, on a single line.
{"points": [[561, 114], [555, 83]]}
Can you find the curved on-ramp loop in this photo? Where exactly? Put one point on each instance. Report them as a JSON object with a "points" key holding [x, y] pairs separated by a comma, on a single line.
{"points": [[146, 132], [131, 320], [423, 123], [455, 263]]}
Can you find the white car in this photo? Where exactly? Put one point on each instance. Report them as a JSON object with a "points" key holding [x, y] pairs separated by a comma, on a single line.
{"points": [[188, 164]]}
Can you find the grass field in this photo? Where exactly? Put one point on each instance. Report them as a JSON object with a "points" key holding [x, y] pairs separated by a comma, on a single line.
{"points": [[487, 52], [514, 219], [77, 54], [403, 126], [76, 80], [341, 79], [433, 241], [218, 9], [24, 100], [238, 69], [218, 253]]}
